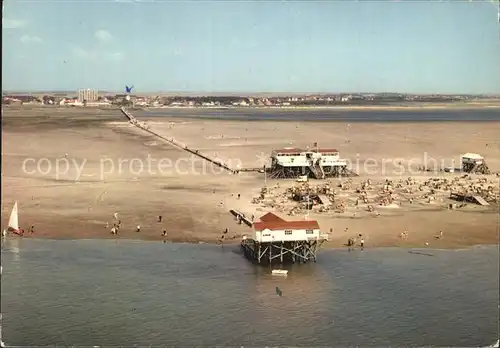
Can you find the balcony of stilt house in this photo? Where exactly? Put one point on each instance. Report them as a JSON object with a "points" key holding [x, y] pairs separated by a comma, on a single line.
{"points": [[275, 240]]}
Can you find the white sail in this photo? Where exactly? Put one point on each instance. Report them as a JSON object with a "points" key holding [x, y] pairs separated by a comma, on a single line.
{"points": [[14, 220]]}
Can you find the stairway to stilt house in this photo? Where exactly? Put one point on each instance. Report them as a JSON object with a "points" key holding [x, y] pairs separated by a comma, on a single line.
{"points": [[480, 168], [317, 171]]}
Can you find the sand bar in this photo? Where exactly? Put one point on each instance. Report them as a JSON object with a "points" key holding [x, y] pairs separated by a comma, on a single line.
{"points": [[104, 177]]}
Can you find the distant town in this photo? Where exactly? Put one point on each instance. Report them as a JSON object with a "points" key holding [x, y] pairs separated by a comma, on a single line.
{"points": [[92, 97]]}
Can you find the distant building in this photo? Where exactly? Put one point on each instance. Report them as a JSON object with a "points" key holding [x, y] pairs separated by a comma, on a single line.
{"points": [[88, 94], [71, 102], [22, 99]]}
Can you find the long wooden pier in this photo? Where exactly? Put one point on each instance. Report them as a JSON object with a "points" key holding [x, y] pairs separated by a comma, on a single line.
{"points": [[171, 141]]}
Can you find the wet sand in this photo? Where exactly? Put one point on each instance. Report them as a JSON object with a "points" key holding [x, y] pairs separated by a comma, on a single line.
{"points": [[194, 198]]}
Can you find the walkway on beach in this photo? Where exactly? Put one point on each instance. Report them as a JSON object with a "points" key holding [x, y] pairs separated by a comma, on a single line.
{"points": [[171, 141]]}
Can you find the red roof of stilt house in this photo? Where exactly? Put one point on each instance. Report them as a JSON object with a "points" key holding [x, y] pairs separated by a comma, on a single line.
{"points": [[270, 217], [312, 149]]}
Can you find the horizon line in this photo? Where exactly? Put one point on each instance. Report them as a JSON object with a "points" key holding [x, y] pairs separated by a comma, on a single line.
{"points": [[242, 93]]}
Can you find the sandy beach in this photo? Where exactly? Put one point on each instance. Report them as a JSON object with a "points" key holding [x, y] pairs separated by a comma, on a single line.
{"points": [[71, 169]]}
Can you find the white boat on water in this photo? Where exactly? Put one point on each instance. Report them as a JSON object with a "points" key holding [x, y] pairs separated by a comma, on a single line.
{"points": [[281, 272], [13, 222]]}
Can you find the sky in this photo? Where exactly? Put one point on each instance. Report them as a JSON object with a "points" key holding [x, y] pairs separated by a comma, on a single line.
{"points": [[252, 46]]}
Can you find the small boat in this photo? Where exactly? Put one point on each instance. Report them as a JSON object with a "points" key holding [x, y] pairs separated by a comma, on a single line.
{"points": [[281, 272], [13, 222]]}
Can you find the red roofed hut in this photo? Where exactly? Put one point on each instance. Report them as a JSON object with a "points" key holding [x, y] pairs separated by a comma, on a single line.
{"points": [[275, 237]]}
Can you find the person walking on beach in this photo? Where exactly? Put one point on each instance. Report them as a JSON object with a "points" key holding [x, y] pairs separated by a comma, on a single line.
{"points": [[159, 218], [362, 243], [164, 233], [221, 241], [138, 228]]}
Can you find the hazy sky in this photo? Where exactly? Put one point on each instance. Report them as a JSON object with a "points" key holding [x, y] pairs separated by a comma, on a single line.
{"points": [[264, 46]]}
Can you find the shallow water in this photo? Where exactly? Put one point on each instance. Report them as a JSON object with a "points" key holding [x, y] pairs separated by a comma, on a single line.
{"points": [[101, 292], [424, 115]]}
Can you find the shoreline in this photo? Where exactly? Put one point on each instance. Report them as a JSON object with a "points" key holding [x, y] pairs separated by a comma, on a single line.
{"points": [[327, 246], [334, 107], [402, 107]]}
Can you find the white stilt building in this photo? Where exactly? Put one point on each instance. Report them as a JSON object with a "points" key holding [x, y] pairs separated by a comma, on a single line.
{"points": [[318, 163], [474, 163], [275, 238]]}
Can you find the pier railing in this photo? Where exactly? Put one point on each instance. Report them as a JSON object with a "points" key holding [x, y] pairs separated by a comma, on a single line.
{"points": [[171, 141]]}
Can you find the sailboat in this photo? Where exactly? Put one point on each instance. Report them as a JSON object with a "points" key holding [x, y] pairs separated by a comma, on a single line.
{"points": [[13, 222]]}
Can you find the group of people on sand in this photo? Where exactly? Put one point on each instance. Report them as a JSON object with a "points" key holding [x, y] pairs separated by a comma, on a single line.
{"points": [[222, 237], [404, 235], [20, 232], [351, 242], [117, 226]]}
